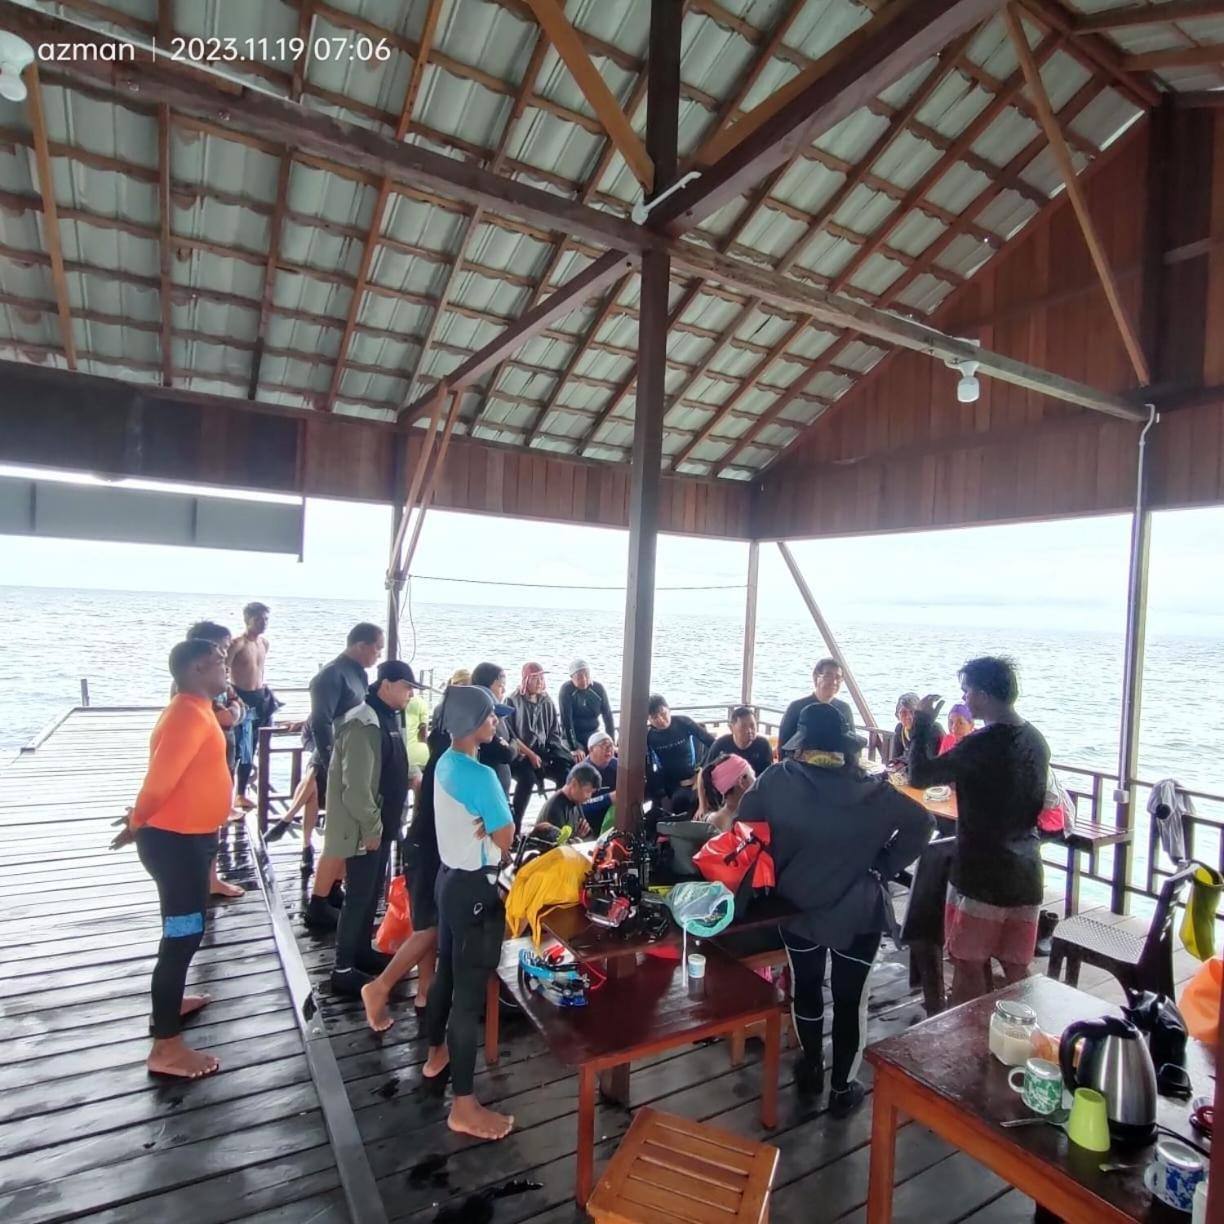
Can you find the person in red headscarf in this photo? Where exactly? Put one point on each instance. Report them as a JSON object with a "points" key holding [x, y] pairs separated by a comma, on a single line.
{"points": [[536, 724]]}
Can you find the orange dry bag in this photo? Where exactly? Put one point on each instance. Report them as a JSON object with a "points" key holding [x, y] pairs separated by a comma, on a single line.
{"points": [[396, 925]]}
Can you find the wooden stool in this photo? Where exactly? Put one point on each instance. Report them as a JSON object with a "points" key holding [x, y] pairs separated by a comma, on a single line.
{"points": [[670, 1168]]}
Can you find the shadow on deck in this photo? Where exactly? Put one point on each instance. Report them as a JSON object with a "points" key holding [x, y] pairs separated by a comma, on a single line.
{"points": [[84, 1133]]}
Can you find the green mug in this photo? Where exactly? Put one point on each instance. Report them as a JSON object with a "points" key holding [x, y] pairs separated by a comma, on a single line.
{"points": [[1088, 1126], [1040, 1086]]}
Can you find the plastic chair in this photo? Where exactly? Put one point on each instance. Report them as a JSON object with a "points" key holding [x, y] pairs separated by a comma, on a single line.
{"points": [[1138, 962], [922, 928]]}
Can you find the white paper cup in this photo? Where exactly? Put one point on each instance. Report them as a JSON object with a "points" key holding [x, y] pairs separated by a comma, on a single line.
{"points": [[696, 965]]}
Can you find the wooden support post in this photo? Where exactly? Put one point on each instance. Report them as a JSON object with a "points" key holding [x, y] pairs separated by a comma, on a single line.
{"points": [[662, 126], [399, 508], [1075, 192], [825, 632], [750, 619], [1155, 236], [1132, 672]]}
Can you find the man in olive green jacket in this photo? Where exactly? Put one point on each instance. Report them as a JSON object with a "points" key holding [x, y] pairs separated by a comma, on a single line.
{"points": [[367, 787]]}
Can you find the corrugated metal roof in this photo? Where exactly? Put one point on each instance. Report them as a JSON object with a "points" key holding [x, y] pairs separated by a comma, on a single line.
{"points": [[105, 168]]}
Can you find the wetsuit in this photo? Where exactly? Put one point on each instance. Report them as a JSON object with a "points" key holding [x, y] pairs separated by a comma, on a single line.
{"points": [[335, 689], [674, 754], [581, 712]]}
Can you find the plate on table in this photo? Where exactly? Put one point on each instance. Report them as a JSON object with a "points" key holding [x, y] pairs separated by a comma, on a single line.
{"points": [[937, 794]]}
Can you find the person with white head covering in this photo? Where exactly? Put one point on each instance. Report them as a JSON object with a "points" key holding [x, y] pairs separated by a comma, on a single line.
{"points": [[583, 705]]}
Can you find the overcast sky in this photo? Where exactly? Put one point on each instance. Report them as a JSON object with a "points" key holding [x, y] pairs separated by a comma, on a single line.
{"points": [[1069, 574]]}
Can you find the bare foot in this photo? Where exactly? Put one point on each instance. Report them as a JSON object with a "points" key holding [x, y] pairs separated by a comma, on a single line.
{"points": [[245, 804], [193, 1003], [436, 1063], [172, 1056], [378, 1014], [223, 888], [469, 1117], [236, 814]]}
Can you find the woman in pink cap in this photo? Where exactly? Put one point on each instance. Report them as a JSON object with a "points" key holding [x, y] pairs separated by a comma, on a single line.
{"points": [[721, 784]]}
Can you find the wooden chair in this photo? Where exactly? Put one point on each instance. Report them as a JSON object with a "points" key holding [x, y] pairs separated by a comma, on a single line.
{"points": [[1139, 963], [922, 929], [669, 1168]]}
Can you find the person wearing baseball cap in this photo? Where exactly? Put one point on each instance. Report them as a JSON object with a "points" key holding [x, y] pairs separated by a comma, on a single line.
{"points": [[475, 829], [837, 835], [583, 703], [367, 793]]}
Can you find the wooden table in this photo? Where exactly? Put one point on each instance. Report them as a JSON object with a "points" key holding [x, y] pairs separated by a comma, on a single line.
{"points": [[941, 809], [644, 1013], [941, 1074]]}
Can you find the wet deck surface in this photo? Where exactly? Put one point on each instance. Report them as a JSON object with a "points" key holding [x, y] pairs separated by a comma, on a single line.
{"points": [[84, 1133]]}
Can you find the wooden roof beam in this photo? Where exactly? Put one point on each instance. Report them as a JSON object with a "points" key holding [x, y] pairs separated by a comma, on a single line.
{"points": [[551, 16], [1079, 202], [1175, 57], [50, 215], [1131, 16], [833, 87]]}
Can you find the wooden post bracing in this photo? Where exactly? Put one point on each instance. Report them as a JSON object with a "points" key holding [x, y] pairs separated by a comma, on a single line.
{"points": [[826, 633], [1075, 192], [750, 622]]}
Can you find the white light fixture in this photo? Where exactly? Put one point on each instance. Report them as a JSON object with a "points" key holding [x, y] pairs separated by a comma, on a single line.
{"points": [[16, 55], [968, 389]]}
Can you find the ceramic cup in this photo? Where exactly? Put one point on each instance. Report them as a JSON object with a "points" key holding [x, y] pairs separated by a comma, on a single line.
{"points": [[1088, 1126], [1174, 1174], [1040, 1086]]}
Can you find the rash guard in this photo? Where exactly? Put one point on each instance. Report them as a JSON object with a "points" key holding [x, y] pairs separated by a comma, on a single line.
{"points": [[187, 786], [678, 750]]}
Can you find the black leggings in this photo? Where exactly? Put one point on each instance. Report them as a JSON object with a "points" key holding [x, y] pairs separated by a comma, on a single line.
{"points": [[471, 922], [526, 779], [179, 864], [851, 965]]}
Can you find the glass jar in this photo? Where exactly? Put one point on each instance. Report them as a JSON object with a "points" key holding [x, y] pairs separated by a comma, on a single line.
{"points": [[1012, 1029]]}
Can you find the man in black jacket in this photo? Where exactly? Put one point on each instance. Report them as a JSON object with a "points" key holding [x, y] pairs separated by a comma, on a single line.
{"points": [[676, 746], [836, 836], [744, 741], [336, 689]]}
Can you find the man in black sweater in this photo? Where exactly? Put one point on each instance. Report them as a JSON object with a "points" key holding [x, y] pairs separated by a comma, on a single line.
{"points": [[744, 741], [583, 704], [837, 836], [826, 684], [676, 746]]}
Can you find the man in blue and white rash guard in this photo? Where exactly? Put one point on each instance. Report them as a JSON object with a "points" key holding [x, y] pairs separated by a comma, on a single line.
{"points": [[475, 829]]}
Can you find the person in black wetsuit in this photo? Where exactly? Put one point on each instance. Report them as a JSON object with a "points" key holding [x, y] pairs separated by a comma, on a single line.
{"points": [[744, 741], [826, 684], [676, 746], [583, 704], [500, 753]]}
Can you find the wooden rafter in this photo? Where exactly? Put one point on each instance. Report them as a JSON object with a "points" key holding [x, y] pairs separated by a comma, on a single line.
{"points": [[1079, 202], [50, 215], [1083, 97], [551, 16], [1130, 16], [1175, 57], [472, 224], [380, 204]]}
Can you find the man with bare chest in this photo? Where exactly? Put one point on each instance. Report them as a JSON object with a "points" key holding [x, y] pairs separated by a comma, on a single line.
{"points": [[248, 655]]}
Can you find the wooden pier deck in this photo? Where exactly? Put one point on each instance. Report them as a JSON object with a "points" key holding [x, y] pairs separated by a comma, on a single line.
{"points": [[85, 1134]]}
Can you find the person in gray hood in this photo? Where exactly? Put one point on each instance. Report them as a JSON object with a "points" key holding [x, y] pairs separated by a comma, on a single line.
{"points": [[837, 836]]}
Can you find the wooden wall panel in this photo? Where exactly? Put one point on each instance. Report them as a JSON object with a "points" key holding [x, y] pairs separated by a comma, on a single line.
{"points": [[52, 418]]}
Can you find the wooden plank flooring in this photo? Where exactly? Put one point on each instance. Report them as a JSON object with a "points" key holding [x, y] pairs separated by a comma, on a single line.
{"points": [[84, 1134]]}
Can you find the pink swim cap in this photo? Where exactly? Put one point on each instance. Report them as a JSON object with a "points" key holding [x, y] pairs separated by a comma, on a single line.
{"points": [[727, 773]]}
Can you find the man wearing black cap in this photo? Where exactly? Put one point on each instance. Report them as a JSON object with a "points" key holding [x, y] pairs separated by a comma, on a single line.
{"points": [[475, 828], [836, 835], [367, 788]]}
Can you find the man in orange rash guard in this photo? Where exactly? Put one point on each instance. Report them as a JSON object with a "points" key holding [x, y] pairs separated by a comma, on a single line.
{"points": [[183, 801]]}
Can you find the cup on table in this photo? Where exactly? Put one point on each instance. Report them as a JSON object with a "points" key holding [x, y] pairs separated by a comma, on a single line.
{"points": [[696, 965], [1040, 1085], [1174, 1174], [1088, 1125]]}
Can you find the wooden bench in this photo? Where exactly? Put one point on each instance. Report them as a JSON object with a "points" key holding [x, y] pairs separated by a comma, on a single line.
{"points": [[1086, 838], [669, 1168]]}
